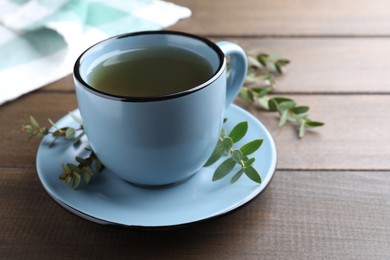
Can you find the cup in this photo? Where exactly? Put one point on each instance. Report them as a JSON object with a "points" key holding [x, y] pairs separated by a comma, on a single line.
{"points": [[161, 139]]}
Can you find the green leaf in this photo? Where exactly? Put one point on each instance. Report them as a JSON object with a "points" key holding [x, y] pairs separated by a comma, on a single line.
{"points": [[82, 161], [228, 143], [99, 165], [217, 153], [286, 105], [253, 62], [69, 134], [280, 100], [68, 179], [251, 147], [66, 168], [302, 130], [262, 58], [283, 118], [239, 131], [28, 129], [76, 180], [236, 176], [34, 122], [310, 124], [87, 177], [278, 68], [246, 95], [237, 156], [299, 110], [252, 174], [76, 118], [63, 176], [88, 169], [282, 62], [273, 105], [224, 169], [263, 102], [249, 162], [72, 167]]}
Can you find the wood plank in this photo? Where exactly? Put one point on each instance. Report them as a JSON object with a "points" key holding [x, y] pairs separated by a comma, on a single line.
{"points": [[333, 65], [296, 17], [313, 215], [15, 148], [356, 134], [317, 65]]}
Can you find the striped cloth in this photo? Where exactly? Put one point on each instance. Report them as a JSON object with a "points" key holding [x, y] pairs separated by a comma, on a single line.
{"points": [[40, 39]]}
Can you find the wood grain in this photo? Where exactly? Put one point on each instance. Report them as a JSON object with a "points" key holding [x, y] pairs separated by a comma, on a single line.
{"points": [[292, 18], [340, 65], [316, 215]]}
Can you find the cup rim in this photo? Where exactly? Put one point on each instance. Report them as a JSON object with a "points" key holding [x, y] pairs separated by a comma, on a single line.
{"points": [[210, 44]]}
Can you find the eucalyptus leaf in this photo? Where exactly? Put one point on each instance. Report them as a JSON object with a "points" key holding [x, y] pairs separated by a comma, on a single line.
{"points": [[82, 161], [70, 133], [286, 105], [63, 176], [252, 174], [249, 162], [310, 124], [278, 68], [228, 143], [237, 156], [76, 118], [302, 130], [72, 167], [219, 150], [67, 179], [66, 168], [262, 58], [87, 177], [224, 169], [99, 165], [76, 180], [283, 118], [299, 110], [282, 62], [251, 147], [34, 122], [239, 131], [236, 176]]}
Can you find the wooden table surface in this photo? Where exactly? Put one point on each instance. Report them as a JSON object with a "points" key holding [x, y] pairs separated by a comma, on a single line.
{"points": [[330, 197]]}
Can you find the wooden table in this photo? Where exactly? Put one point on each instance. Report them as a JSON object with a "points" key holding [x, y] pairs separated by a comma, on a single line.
{"points": [[330, 197]]}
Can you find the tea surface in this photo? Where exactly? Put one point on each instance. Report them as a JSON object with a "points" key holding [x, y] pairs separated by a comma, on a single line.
{"points": [[150, 72]]}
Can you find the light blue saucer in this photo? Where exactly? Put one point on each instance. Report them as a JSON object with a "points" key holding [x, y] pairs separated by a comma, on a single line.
{"points": [[109, 200]]}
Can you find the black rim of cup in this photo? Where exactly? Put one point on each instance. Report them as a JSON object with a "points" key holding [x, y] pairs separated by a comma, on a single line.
{"points": [[210, 44]]}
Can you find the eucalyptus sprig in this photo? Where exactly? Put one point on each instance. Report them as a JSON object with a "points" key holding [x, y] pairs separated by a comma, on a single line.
{"points": [[70, 133], [235, 156], [84, 170], [263, 70], [72, 173]]}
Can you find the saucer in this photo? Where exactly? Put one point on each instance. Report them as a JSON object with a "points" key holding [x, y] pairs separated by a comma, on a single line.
{"points": [[112, 201]]}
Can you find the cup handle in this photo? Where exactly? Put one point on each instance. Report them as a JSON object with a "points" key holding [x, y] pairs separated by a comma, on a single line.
{"points": [[238, 69]]}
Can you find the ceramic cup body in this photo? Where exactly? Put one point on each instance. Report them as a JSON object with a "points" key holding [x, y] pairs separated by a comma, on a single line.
{"points": [[158, 140]]}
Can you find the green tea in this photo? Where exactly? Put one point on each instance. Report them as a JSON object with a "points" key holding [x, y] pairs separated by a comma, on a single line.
{"points": [[150, 72]]}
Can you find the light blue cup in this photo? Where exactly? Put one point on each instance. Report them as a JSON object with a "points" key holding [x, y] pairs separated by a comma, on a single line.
{"points": [[158, 140]]}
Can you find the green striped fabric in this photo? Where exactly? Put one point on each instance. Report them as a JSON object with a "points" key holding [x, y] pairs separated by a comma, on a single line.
{"points": [[40, 39]]}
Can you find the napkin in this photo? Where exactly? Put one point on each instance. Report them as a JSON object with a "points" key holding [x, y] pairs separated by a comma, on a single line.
{"points": [[41, 39]]}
